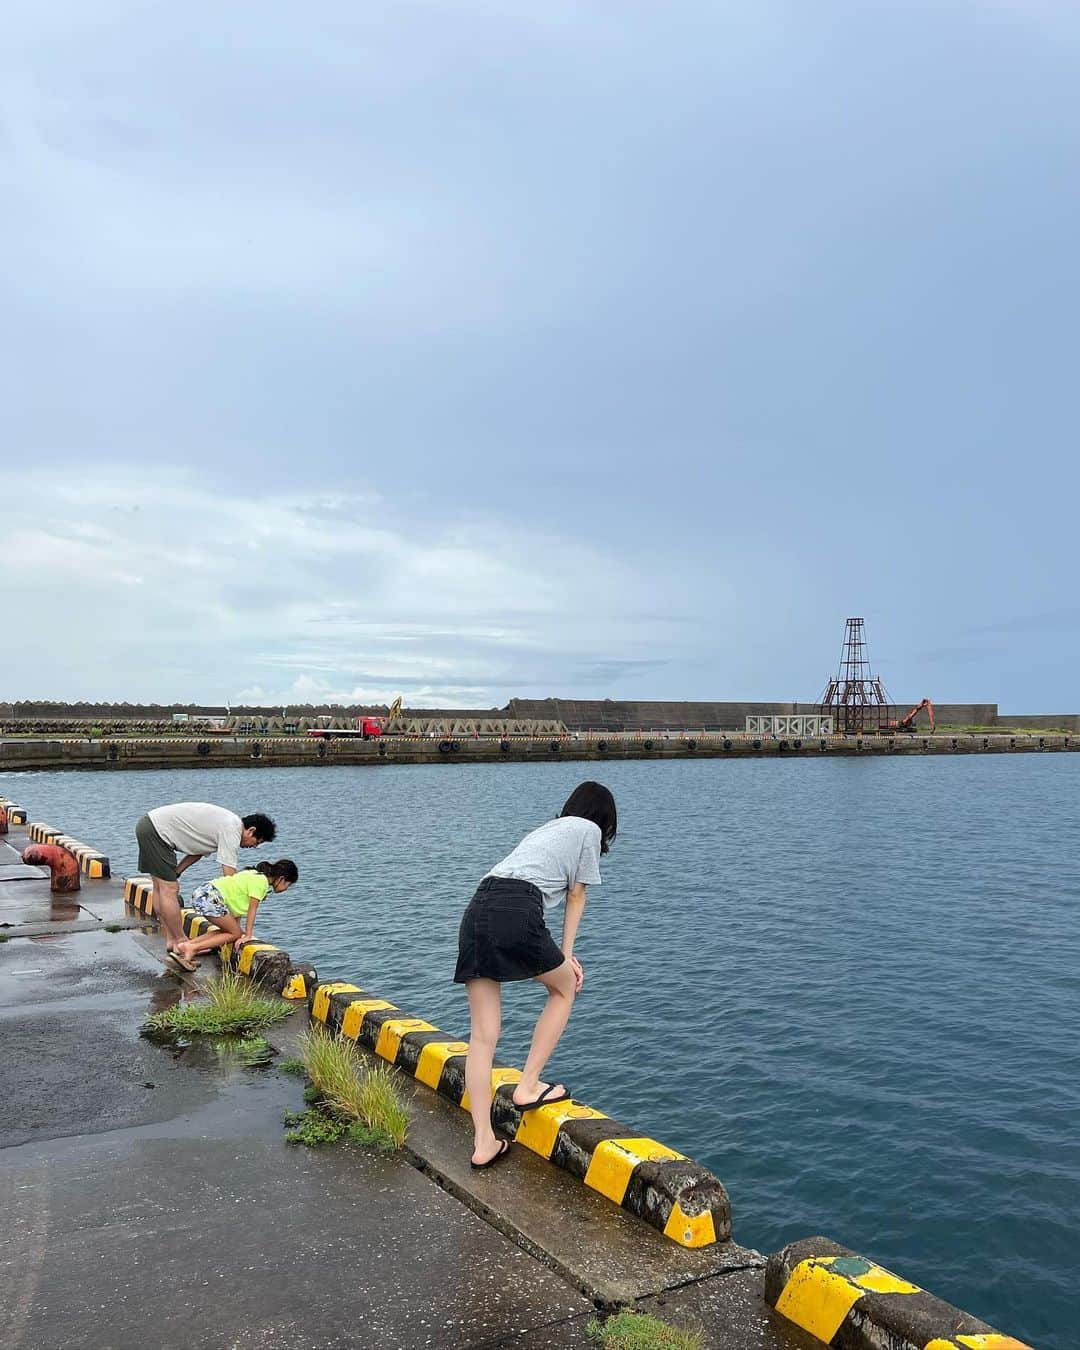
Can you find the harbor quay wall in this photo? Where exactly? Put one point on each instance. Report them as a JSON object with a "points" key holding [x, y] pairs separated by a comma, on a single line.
{"points": [[19, 754]]}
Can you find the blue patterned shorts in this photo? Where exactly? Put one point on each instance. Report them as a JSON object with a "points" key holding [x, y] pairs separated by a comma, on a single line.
{"points": [[207, 901]]}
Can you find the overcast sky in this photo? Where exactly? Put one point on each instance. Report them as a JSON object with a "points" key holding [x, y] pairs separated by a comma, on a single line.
{"points": [[466, 350]]}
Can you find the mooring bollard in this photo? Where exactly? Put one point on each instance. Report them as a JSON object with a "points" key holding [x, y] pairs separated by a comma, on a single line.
{"points": [[63, 866]]}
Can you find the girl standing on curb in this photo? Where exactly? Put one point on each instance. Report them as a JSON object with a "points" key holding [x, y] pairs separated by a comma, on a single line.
{"points": [[504, 937], [231, 901]]}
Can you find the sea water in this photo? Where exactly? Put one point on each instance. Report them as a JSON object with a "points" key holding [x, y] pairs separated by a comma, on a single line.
{"points": [[849, 986]]}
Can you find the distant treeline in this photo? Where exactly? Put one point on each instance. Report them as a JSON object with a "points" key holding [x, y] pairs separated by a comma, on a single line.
{"points": [[32, 709]]}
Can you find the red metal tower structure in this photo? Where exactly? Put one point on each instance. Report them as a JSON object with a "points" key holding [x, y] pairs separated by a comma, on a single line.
{"points": [[856, 699]]}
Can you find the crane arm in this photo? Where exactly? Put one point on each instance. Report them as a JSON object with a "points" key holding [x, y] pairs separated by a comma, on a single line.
{"points": [[907, 721]]}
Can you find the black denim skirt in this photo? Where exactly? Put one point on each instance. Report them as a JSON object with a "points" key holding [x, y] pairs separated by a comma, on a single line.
{"points": [[503, 935]]}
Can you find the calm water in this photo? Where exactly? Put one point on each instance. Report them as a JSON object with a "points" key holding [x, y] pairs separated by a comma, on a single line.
{"points": [[868, 1029]]}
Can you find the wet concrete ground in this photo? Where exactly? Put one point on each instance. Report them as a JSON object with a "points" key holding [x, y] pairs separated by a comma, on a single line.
{"points": [[149, 1197]]}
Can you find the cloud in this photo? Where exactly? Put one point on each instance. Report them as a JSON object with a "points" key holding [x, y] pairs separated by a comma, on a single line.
{"points": [[1067, 617], [122, 586], [584, 317]]}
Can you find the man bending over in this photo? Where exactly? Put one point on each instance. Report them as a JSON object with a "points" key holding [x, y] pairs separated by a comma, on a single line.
{"points": [[195, 829]]}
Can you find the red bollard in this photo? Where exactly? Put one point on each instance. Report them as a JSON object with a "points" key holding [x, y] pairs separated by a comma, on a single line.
{"points": [[3, 820], [63, 865]]}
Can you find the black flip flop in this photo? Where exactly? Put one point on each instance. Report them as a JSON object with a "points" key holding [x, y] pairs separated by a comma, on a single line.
{"points": [[545, 1099], [504, 1149]]}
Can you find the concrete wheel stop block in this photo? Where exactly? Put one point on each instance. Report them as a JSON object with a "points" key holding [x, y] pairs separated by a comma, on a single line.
{"points": [[851, 1303]]}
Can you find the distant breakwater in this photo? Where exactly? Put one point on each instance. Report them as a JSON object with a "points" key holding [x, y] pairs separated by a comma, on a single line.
{"points": [[19, 754]]}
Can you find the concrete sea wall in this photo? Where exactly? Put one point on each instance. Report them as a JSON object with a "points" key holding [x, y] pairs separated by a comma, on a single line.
{"points": [[1067, 722], [635, 715]]}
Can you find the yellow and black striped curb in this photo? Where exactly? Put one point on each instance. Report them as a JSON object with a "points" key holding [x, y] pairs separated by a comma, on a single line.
{"points": [[262, 961], [668, 1190], [139, 893], [91, 862], [849, 1302], [16, 814]]}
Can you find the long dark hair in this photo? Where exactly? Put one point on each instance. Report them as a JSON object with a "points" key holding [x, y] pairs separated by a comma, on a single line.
{"points": [[282, 870], [594, 802]]}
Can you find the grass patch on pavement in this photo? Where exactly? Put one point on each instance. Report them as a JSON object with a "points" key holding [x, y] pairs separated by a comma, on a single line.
{"points": [[313, 1127], [638, 1331], [292, 1066], [364, 1102], [317, 1125], [233, 1006]]}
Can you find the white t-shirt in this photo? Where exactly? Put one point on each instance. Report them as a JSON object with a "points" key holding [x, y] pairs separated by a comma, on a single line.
{"points": [[557, 856], [199, 827]]}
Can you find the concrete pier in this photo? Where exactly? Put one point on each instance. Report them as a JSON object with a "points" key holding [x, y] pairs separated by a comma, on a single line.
{"points": [[150, 1198]]}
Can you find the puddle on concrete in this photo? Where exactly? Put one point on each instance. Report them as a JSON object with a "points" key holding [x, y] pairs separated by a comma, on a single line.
{"points": [[213, 1052]]}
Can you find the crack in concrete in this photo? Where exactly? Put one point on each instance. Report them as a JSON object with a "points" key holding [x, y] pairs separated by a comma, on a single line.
{"points": [[35, 1226], [513, 1337], [704, 1279], [47, 929]]}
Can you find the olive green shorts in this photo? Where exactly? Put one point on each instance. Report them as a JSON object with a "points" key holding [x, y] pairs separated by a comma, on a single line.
{"points": [[155, 856]]}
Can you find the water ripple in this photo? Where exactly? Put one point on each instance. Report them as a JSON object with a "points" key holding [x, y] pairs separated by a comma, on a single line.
{"points": [[849, 986]]}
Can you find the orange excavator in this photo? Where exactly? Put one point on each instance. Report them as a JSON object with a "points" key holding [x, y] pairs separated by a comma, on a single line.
{"points": [[907, 722]]}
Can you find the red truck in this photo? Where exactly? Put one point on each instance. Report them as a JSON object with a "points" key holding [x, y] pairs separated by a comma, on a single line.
{"points": [[367, 728]]}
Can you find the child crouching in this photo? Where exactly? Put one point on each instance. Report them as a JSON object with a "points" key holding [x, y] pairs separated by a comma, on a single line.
{"points": [[230, 904]]}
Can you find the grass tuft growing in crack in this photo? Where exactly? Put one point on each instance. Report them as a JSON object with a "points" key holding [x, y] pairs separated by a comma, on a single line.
{"points": [[233, 1006], [366, 1101], [381, 1106], [628, 1330]]}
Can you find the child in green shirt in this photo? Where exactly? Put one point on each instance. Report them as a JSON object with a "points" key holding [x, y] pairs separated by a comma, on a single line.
{"points": [[230, 903]]}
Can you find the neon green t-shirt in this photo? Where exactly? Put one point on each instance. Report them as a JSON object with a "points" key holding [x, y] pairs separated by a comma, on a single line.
{"points": [[240, 889]]}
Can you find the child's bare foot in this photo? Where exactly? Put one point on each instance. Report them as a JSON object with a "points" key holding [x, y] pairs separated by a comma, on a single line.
{"points": [[540, 1094]]}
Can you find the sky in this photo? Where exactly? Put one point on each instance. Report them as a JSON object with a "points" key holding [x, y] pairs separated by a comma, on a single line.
{"points": [[467, 351]]}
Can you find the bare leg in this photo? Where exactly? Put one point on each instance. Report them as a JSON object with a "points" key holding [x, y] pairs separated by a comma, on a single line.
{"points": [[167, 909], [550, 1026], [485, 1009], [226, 929]]}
